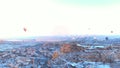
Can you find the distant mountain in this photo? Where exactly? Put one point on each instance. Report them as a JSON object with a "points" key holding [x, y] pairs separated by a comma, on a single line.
{"points": [[67, 38]]}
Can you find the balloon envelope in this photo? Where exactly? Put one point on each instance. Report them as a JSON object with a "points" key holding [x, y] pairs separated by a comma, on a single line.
{"points": [[25, 29]]}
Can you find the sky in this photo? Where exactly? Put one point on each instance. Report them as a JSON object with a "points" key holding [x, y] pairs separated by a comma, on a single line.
{"points": [[59, 17]]}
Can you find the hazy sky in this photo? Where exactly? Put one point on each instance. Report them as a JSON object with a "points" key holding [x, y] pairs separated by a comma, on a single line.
{"points": [[58, 17]]}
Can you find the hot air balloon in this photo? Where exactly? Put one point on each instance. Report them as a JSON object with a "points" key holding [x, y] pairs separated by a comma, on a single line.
{"points": [[24, 29], [106, 38], [111, 31]]}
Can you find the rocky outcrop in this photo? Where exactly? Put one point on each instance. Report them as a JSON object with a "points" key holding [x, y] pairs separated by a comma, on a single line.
{"points": [[66, 48]]}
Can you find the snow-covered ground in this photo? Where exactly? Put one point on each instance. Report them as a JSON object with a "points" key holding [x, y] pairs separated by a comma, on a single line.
{"points": [[12, 45]]}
